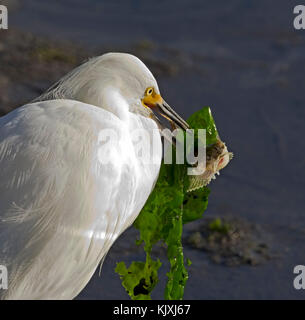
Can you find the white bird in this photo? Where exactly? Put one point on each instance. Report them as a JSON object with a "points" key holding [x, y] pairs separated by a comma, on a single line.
{"points": [[61, 207]]}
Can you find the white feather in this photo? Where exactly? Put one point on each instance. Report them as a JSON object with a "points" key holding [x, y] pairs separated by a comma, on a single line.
{"points": [[60, 208]]}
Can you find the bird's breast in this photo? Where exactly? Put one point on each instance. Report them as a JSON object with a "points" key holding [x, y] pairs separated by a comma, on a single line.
{"points": [[126, 165]]}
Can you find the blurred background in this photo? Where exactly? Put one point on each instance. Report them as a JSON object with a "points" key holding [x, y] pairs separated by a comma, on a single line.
{"points": [[243, 59]]}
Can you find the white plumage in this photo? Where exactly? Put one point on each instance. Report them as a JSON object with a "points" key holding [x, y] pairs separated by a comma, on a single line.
{"points": [[61, 209]]}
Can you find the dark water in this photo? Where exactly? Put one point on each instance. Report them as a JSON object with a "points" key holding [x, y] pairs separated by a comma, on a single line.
{"points": [[245, 60]]}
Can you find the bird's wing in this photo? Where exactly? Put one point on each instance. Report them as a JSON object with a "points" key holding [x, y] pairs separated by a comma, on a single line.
{"points": [[55, 223]]}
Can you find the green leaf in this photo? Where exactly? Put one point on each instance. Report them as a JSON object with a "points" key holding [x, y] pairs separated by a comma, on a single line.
{"points": [[140, 278], [188, 262], [194, 204], [203, 119], [168, 207]]}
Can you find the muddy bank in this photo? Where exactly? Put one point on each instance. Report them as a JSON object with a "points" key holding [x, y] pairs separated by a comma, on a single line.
{"points": [[29, 65], [231, 241]]}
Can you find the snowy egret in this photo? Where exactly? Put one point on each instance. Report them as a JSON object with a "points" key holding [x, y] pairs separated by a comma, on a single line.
{"points": [[61, 208]]}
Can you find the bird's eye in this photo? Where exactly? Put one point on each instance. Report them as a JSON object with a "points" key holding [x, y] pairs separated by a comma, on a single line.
{"points": [[149, 91]]}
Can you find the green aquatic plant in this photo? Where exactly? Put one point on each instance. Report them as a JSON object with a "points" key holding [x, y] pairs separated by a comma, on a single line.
{"points": [[217, 225], [169, 206]]}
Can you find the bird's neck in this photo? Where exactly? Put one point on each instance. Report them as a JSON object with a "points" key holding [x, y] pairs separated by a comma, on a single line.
{"points": [[108, 99]]}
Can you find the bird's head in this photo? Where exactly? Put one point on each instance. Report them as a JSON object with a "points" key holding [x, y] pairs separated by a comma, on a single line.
{"points": [[119, 83]]}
